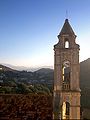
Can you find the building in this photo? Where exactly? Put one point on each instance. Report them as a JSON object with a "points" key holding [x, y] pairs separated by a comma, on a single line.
{"points": [[66, 93]]}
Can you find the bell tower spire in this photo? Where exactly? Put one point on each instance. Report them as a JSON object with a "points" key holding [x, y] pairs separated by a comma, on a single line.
{"points": [[67, 29], [66, 75]]}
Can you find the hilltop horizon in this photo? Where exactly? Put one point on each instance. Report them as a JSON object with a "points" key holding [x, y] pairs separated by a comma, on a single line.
{"points": [[16, 67], [31, 68]]}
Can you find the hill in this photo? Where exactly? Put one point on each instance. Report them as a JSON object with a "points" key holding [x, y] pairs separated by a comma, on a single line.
{"points": [[85, 83], [44, 71], [4, 68], [47, 73], [85, 74]]}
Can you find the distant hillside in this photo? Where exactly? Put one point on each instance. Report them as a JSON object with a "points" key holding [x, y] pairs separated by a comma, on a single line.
{"points": [[44, 71], [4, 68], [85, 74], [85, 83]]}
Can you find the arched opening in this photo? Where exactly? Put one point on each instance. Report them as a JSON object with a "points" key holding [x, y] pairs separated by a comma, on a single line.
{"points": [[65, 110], [66, 75], [66, 71], [66, 44]]}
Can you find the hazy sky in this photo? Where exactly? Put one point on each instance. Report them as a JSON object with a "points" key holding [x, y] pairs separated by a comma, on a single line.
{"points": [[29, 29]]}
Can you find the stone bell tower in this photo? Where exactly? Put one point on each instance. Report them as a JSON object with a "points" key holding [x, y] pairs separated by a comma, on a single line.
{"points": [[66, 93]]}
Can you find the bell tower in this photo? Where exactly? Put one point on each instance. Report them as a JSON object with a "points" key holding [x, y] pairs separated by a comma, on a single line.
{"points": [[66, 93]]}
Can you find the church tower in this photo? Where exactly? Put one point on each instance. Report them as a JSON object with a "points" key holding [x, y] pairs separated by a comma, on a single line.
{"points": [[66, 93]]}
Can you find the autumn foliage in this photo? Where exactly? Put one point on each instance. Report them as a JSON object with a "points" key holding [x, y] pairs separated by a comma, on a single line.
{"points": [[25, 107]]}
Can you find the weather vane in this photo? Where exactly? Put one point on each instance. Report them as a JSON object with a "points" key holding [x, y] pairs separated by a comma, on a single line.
{"points": [[66, 14]]}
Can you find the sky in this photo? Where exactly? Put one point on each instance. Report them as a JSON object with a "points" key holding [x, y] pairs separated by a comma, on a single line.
{"points": [[29, 29]]}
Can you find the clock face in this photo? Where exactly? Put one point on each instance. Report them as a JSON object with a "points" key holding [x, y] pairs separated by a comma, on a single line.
{"points": [[67, 64]]}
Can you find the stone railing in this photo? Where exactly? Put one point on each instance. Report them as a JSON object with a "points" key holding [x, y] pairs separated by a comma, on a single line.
{"points": [[66, 86]]}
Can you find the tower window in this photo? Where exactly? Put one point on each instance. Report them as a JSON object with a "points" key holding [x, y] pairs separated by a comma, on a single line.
{"points": [[67, 44], [65, 110], [66, 71]]}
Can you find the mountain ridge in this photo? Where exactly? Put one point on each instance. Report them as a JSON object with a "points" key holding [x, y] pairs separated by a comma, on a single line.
{"points": [[5, 68], [21, 68], [40, 69]]}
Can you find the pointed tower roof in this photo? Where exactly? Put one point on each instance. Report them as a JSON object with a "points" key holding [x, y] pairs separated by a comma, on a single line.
{"points": [[67, 29]]}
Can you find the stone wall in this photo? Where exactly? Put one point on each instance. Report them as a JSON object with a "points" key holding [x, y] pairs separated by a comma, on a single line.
{"points": [[25, 107]]}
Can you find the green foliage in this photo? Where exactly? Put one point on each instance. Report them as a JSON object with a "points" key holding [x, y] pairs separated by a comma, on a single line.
{"points": [[22, 89], [39, 89], [5, 89]]}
